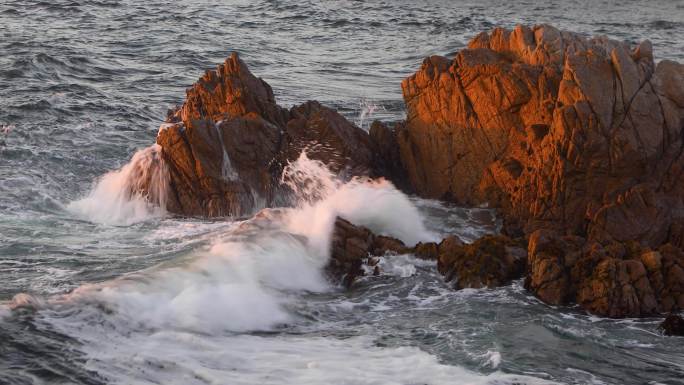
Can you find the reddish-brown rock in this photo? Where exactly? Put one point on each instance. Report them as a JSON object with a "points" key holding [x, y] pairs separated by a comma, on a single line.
{"points": [[561, 132], [550, 262], [570, 135], [226, 147], [426, 250], [491, 261], [355, 246], [673, 325], [350, 248], [612, 280]]}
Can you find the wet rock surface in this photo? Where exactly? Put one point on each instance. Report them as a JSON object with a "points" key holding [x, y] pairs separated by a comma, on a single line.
{"points": [[578, 142], [491, 261], [353, 246], [227, 145], [613, 280]]}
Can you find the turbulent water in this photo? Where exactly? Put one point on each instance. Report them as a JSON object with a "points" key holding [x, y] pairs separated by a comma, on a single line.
{"points": [[99, 286]]}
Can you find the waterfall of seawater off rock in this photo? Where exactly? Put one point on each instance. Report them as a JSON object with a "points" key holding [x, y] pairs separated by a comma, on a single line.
{"points": [[136, 192]]}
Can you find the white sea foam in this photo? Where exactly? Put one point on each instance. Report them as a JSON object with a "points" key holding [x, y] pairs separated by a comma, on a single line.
{"points": [[236, 285], [176, 323], [182, 358], [493, 358], [134, 193]]}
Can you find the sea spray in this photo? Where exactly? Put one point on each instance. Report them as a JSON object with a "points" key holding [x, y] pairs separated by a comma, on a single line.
{"points": [[366, 110], [227, 171], [241, 282], [134, 193], [235, 285], [376, 204]]}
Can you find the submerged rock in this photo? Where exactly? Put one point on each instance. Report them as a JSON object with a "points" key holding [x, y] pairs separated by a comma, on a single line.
{"points": [[353, 246], [227, 145], [673, 325]]}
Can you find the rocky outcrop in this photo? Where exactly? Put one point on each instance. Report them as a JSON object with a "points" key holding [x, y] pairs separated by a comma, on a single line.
{"points": [[561, 132], [614, 279], [581, 138], [579, 143], [353, 246], [226, 146], [491, 261]]}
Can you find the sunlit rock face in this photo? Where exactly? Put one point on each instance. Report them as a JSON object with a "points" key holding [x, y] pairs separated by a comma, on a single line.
{"points": [[226, 146], [559, 131], [581, 138]]}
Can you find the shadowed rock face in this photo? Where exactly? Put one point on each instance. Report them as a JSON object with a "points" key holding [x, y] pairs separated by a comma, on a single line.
{"points": [[354, 247], [226, 146], [613, 279], [491, 261], [561, 132]]}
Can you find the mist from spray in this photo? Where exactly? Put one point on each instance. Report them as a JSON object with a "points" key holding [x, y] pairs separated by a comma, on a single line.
{"points": [[136, 192]]}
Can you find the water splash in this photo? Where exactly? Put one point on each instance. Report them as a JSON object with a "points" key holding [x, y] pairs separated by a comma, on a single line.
{"points": [[366, 110], [251, 278], [376, 204], [240, 283], [136, 192], [309, 179], [227, 171]]}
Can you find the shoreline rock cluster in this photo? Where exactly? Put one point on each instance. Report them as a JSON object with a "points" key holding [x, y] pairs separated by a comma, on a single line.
{"points": [[579, 144]]}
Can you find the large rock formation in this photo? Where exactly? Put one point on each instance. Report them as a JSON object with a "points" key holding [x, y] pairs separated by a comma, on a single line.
{"points": [[561, 132], [583, 138], [226, 146]]}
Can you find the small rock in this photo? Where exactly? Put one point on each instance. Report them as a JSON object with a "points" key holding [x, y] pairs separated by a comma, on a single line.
{"points": [[673, 325]]}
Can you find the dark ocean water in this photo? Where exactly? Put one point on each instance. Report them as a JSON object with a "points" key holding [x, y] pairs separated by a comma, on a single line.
{"points": [[157, 300]]}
